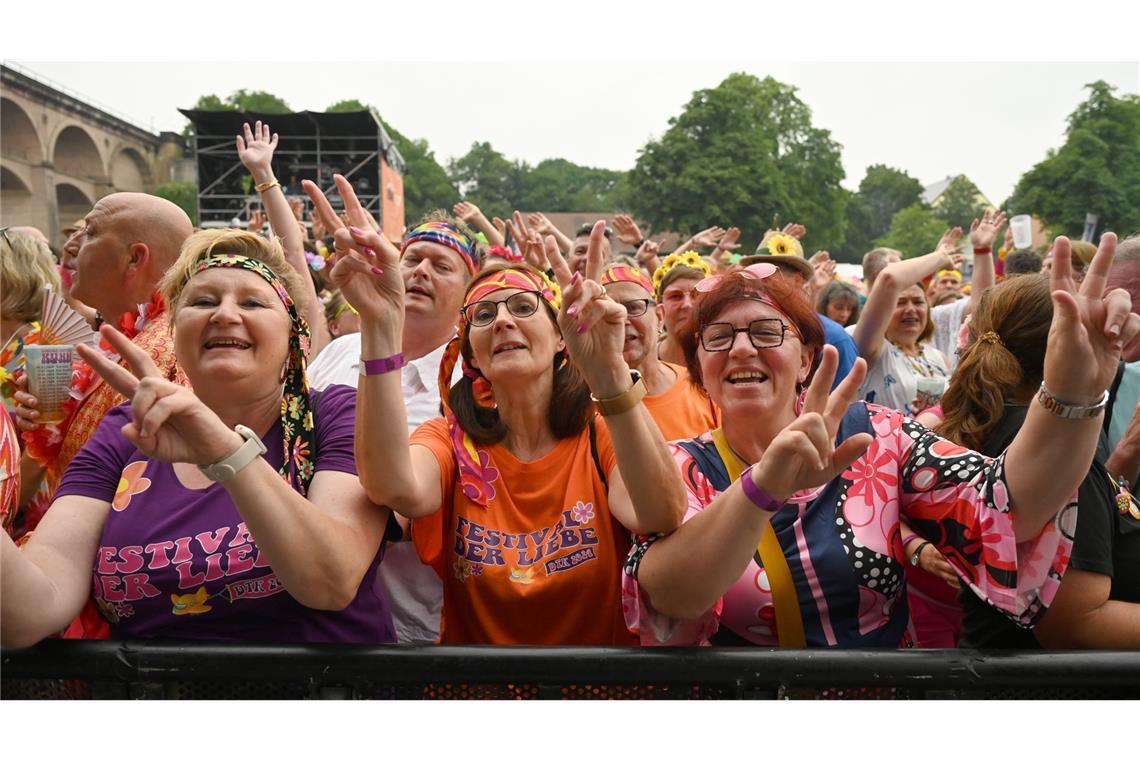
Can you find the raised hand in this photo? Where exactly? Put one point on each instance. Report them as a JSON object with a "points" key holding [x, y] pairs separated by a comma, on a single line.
{"points": [[948, 243], [467, 212], [824, 272], [984, 232], [708, 237], [256, 221], [795, 230], [255, 151], [647, 256], [366, 265], [501, 226], [627, 230], [1090, 326], [728, 241], [529, 242], [592, 324], [297, 206], [540, 223], [168, 422], [803, 455]]}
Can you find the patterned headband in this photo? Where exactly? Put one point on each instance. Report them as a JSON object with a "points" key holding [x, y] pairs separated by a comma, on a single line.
{"points": [[297, 429], [626, 273], [448, 235], [476, 474], [688, 259], [948, 273]]}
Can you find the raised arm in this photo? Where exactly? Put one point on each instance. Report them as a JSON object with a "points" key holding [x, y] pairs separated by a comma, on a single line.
{"points": [[255, 150], [983, 233], [1051, 454], [470, 215], [593, 326], [544, 227], [706, 238], [871, 329]]}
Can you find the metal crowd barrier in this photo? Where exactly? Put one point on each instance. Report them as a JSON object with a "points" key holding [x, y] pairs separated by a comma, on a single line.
{"points": [[172, 670]]}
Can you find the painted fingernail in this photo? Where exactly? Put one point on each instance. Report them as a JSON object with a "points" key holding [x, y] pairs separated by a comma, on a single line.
{"points": [[377, 271], [572, 311], [577, 278], [369, 252], [356, 231], [581, 329]]}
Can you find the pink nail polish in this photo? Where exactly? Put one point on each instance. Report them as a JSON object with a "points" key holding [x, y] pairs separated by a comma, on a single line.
{"points": [[370, 253], [576, 278], [581, 329], [377, 271], [356, 231], [572, 311]]}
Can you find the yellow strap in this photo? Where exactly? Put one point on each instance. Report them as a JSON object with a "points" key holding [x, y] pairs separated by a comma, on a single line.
{"points": [[789, 621]]}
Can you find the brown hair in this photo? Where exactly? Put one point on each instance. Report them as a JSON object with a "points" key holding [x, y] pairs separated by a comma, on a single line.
{"points": [[570, 405], [1009, 331], [839, 291], [785, 290]]}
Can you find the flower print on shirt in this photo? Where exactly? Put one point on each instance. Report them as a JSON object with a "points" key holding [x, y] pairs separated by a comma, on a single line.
{"points": [[132, 482]]}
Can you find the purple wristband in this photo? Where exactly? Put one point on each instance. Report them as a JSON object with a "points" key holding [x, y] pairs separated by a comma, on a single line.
{"points": [[382, 366], [909, 539], [756, 494]]}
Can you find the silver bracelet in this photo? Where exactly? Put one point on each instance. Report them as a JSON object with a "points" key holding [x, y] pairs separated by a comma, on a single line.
{"points": [[1070, 411]]}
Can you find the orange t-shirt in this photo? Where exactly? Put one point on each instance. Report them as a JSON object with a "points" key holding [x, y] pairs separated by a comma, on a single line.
{"points": [[542, 564], [682, 411]]}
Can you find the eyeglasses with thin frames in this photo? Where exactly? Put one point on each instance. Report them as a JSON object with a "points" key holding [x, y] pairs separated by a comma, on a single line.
{"points": [[763, 333], [638, 307], [520, 305]]}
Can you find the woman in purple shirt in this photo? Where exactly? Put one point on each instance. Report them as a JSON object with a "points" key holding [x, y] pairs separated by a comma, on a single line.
{"points": [[228, 512]]}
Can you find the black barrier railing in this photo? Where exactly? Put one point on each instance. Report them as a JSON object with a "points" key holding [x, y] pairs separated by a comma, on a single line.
{"points": [[145, 670]]}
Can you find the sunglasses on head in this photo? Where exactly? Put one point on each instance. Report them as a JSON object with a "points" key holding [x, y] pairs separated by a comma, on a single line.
{"points": [[758, 271]]}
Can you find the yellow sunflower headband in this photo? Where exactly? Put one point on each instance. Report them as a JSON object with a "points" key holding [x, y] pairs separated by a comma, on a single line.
{"points": [[688, 260]]}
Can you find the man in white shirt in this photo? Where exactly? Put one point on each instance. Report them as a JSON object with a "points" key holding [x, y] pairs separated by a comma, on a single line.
{"points": [[438, 260]]}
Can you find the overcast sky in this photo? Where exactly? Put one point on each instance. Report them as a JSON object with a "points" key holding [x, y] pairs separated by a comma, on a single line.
{"points": [[579, 86]]}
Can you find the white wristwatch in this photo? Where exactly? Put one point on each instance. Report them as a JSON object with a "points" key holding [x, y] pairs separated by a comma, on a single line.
{"points": [[223, 470]]}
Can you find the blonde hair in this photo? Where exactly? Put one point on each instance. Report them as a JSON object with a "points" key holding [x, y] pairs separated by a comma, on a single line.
{"points": [[207, 243], [26, 265]]}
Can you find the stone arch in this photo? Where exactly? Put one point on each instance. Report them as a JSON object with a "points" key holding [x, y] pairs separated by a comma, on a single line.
{"points": [[129, 171], [76, 154], [18, 136], [71, 202], [15, 198]]}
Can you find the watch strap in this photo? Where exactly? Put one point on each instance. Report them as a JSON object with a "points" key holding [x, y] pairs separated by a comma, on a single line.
{"points": [[625, 401], [227, 468]]}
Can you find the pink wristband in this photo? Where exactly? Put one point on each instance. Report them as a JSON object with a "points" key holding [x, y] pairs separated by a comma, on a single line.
{"points": [[756, 494], [909, 539], [369, 367]]}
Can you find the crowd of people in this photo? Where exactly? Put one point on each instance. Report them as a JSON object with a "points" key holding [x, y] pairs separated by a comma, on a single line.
{"points": [[491, 432]]}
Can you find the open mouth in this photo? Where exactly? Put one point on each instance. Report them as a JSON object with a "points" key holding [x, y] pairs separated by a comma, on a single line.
{"points": [[418, 291], [228, 343], [747, 377], [503, 348]]}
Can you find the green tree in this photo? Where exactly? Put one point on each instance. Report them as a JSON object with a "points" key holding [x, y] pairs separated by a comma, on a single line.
{"points": [[184, 194], [347, 106], [914, 231], [486, 178], [883, 192], [426, 184], [960, 203], [742, 153], [560, 185], [1096, 171], [256, 101]]}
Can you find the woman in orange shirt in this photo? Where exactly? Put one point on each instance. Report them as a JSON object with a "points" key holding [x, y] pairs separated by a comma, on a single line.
{"points": [[518, 495]]}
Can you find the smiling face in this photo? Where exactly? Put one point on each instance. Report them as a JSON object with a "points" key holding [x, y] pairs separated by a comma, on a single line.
{"points": [[677, 303], [576, 259], [909, 318], [231, 327], [947, 282], [745, 380], [640, 331], [513, 347], [435, 278]]}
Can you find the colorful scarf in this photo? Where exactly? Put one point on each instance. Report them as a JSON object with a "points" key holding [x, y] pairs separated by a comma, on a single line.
{"points": [[626, 273], [298, 432], [448, 235], [476, 473]]}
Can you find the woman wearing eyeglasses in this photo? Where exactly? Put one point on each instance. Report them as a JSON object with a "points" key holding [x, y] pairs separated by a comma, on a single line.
{"points": [[518, 495], [792, 535]]}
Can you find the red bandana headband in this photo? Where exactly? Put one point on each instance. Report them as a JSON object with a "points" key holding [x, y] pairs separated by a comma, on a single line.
{"points": [[626, 273]]}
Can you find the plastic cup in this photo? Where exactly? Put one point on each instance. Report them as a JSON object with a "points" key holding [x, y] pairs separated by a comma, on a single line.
{"points": [[930, 390], [1022, 228], [49, 379]]}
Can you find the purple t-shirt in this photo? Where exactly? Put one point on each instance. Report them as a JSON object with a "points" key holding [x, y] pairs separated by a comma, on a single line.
{"points": [[176, 562]]}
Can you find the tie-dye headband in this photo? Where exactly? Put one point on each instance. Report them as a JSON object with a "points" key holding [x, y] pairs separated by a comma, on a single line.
{"points": [[297, 429], [448, 235], [626, 273], [476, 473]]}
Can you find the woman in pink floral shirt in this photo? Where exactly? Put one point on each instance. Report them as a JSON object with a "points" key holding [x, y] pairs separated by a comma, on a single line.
{"points": [[792, 533]]}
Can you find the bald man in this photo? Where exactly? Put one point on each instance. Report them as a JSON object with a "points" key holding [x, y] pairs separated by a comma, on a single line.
{"points": [[128, 242]]}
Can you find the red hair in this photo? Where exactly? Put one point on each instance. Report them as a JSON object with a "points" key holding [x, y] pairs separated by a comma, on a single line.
{"points": [[784, 290]]}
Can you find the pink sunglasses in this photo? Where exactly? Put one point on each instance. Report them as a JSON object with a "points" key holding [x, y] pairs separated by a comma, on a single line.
{"points": [[757, 271]]}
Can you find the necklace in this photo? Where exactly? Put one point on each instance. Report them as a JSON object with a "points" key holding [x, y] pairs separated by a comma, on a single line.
{"points": [[920, 365]]}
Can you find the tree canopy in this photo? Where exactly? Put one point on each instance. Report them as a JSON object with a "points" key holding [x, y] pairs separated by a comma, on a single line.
{"points": [[882, 193], [743, 153], [914, 231], [1096, 171], [960, 203]]}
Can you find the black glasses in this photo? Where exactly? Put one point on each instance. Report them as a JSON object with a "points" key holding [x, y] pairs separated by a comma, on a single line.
{"points": [[764, 333], [521, 305], [638, 307]]}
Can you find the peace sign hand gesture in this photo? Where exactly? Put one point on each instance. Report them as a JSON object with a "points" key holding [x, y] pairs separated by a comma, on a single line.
{"points": [[1090, 327], [592, 324], [169, 422], [366, 265], [803, 455]]}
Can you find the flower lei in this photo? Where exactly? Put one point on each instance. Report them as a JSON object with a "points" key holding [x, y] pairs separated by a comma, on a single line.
{"points": [[43, 444], [688, 259]]}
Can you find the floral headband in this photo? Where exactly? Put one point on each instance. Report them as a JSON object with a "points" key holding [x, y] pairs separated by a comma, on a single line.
{"points": [[297, 429], [448, 235], [476, 474], [626, 273], [688, 259]]}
